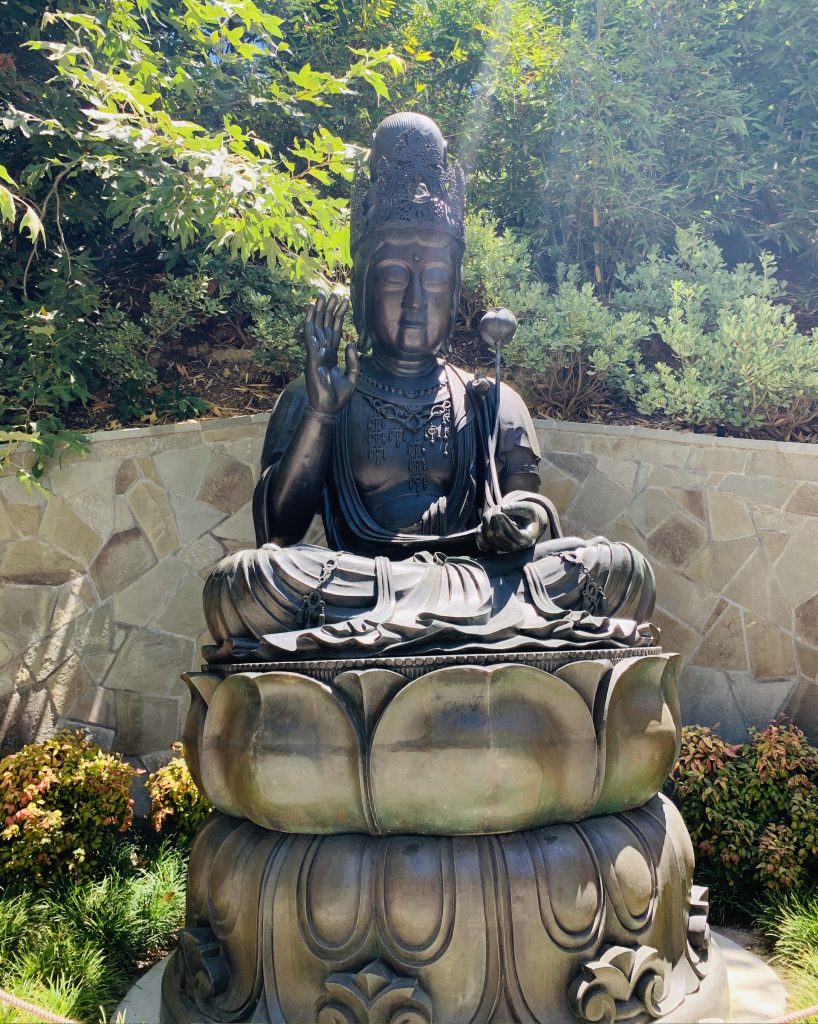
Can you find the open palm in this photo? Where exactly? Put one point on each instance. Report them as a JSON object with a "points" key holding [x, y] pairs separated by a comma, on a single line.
{"points": [[328, 388]]}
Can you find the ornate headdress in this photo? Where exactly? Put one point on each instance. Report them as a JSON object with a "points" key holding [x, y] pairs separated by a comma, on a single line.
{"points": [[409, 182]]}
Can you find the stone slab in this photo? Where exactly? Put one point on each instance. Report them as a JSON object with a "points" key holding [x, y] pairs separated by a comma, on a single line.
{"points": [[151, 509], [151, 662], [182, 472], [124, 559], [150, 593], [227, 483]]}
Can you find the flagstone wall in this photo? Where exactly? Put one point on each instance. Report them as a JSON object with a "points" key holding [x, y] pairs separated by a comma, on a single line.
{"points": [[731, 529], [100, 584]]}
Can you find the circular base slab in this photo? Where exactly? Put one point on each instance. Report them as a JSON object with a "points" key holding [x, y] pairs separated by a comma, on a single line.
{"points": [[592, 921]]}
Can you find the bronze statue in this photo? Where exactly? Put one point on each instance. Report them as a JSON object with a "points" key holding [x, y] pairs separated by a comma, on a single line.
{"points": [[435, 749], [426, 477]]}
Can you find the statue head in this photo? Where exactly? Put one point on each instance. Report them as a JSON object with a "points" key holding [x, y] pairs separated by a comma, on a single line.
{"points": [[407, 239]]}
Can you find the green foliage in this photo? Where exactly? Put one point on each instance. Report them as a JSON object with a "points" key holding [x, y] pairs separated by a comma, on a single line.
{"points": [[63, 802], [751, 809], [141, 71], [496, 265], [645, 134], [143, 139], [571, 355], [600, 127], [177, 805], [268, 308], [120, 350], [739, 360], [648, 288], [41, 375], [135, 133], [74, 947], [790, 920], [578, 356]]}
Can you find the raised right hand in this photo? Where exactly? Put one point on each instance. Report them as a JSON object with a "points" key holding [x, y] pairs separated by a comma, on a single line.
{"points": [[328, 389]]}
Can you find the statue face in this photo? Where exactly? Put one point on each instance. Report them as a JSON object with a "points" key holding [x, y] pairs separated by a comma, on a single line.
{"points": [[411, 294]]}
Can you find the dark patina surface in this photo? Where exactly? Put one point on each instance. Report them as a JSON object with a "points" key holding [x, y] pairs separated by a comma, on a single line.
{"points": [[434, 746]]}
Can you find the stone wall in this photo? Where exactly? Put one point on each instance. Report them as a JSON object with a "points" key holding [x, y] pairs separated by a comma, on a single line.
{"points": [[100, 599], [101, 584], [731, 529]]}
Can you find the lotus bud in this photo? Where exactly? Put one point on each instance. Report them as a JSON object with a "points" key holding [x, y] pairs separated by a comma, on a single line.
{"points": [[498, 327]]}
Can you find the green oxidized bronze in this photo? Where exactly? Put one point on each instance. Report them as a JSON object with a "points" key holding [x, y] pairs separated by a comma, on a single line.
{"points": [[434, 746]]}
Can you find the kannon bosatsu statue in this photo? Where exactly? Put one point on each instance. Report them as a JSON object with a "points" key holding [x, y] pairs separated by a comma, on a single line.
{"points": [[434, 748], [426, 477]]}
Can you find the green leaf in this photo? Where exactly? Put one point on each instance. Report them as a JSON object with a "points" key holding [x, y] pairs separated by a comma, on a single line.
{"points": [[30, 221], [6, 204]]}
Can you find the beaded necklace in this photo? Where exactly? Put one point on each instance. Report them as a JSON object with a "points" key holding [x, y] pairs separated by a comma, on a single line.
{"points": [[424, 425]]}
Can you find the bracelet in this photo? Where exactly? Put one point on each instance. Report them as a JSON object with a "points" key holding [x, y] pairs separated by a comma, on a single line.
{"points": [[322, 417]]}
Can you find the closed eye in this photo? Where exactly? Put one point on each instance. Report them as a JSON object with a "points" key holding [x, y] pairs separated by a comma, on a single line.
{"points": [[396, 274], [436, 277]]}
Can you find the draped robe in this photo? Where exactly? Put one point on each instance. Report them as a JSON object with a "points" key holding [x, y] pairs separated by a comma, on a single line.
{"points": [[425, 587]]}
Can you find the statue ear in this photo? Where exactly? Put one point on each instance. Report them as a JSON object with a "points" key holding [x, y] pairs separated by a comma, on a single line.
{"points": [[455, 311], [364, 341]]}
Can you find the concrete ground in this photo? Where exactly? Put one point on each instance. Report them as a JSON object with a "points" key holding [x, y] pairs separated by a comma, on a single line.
{"points": [[757, 993]]}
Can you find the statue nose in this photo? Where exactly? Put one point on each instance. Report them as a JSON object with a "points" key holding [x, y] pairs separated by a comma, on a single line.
{"points": [[413, 297]]}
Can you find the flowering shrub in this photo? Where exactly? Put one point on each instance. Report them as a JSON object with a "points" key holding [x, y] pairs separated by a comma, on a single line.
{"points": [[177, 805], [751, 808], [62, 801]]}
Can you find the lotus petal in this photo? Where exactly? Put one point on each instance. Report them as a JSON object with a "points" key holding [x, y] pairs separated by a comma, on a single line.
{"points": [[468, 750], [282, 749]]}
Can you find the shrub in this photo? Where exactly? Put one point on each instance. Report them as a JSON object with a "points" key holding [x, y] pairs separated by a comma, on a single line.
{"points": [[696, 261], [751, 808], [177, 805], [737, 358], [496, 264], [576, 355], [121, 349], [583, 356], [63, 802], [267, 308]]}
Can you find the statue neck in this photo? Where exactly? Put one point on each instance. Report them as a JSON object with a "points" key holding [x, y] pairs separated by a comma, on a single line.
{"points": [[393, 366]]}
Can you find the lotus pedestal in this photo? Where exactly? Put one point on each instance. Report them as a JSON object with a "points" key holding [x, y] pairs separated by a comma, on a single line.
{"points": [[426, 840]]}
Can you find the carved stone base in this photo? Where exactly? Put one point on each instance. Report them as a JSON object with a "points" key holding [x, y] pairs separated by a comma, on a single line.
{"points": [[594, 921]]}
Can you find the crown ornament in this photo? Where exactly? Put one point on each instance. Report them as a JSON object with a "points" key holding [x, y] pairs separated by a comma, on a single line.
{"points": [[408, 182]]}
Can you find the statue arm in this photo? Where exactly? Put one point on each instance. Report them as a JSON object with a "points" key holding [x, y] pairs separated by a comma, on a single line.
{"points": [[520, 473], [518, 451], [299, 437], [289, 491], [524, 517]]}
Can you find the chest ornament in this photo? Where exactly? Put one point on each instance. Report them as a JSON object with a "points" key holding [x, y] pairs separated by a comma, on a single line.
{"points": [[415, 426]]}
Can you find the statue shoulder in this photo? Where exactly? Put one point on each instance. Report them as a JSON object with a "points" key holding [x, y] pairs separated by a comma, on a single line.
{"points": [[516, 426], [284, 418], [512, 400]]}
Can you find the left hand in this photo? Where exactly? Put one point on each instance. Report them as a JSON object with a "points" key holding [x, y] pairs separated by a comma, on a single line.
{"points": [[513, 525]]}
